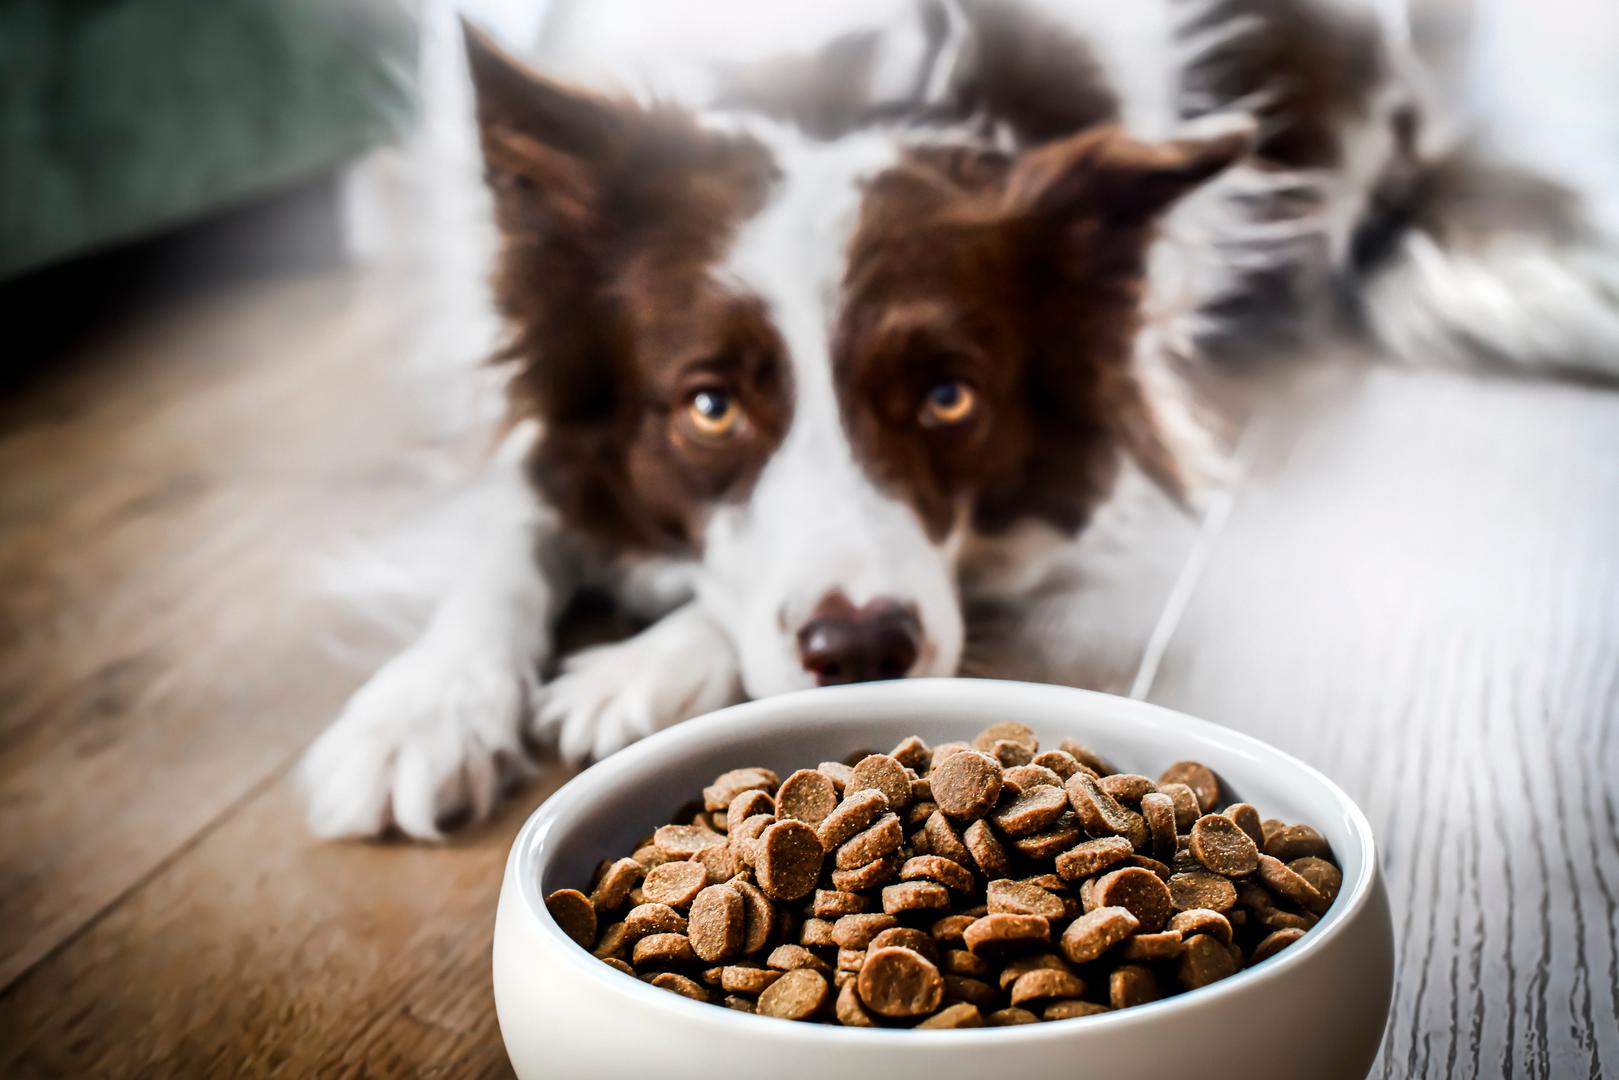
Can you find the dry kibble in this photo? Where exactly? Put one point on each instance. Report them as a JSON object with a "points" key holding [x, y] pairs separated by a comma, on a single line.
{"points": [[992, 884], [1274, 943], [797, 995], [789, 860], [882, 773], [1220, 844], [1095, 932], [896, 982], [1141, 893], [573, 912], [674, 883], [808, 796], [966, 785], [854, 813]]}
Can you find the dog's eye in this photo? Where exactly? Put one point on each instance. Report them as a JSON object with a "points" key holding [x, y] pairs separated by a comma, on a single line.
{"points": [[948, 404], [713, 413]]}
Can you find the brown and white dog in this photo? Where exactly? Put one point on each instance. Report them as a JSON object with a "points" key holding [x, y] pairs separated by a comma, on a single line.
{"points": [[817, 352]]}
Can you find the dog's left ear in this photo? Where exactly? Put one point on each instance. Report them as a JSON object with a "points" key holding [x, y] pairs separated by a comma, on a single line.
{"points": [[1104, 174]]}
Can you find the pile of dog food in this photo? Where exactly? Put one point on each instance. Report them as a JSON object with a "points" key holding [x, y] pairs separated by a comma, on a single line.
{"points": [[953, 886]]}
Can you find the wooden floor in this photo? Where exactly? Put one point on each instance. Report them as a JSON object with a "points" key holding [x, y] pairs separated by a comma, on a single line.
{"points": [[1414, 585]]}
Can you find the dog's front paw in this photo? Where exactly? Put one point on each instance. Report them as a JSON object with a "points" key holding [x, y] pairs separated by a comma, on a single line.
{"points": [[432, 738], [612, 695]]}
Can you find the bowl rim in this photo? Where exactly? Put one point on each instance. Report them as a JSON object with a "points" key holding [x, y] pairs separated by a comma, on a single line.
{"points": [[528, 847]]}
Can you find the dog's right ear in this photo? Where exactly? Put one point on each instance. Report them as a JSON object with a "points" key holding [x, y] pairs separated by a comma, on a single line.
{"points": [[545, 145]]}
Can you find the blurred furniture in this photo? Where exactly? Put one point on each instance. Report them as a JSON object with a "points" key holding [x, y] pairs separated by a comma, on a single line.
{"points": [[122, 118]]}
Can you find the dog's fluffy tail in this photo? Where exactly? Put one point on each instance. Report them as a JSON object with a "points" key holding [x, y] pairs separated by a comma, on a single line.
{"points": [[1470, 259]]}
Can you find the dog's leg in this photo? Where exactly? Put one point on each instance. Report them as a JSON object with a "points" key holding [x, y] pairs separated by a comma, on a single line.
{"points": [[609, 696], [437, 731]]}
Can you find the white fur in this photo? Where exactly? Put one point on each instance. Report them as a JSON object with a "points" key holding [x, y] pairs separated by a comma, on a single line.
{"points": [[609, 696], [438, 729], [815, 524]]}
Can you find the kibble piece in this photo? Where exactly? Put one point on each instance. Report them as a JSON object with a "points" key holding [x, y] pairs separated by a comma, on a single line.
{"points": [[717, 924], [1159, 811], [1141, 893], [663, 949], [1221, 846], [1277, 919], [963, 962], [960, 1015], [618, 965], [1070, 1010], [1007, 731], [882, 773], [728, 785], [986, 850], [679, 984], [815, 932], [789, 860], [1274, 943], [747, 978], [1279, 878], [797, 995], [946, 872], [684, 841], [1010, 1017], [573, 912], [999, 934], [907, 937], [1326, 878], [1202, 921], [874, 874], [1017, 898], [943, 840], [966, 785], [1095, 932], [649, 856], [896, 983], [966, 988], [1087, 757], [851, 960], [1045, 984], [614, 887], [1127, 787], [1187, 809], [739, 1003], [746, 805], [1204, 960], [856, 931], [1047, 845], [1028, 777], [652, 918], [1060, 762], [760, 915], [909, 896], [951, 929], [848, 1008], [674, 883], [1202, 889], [854, 813], [830, 903], [1101, 814], [723, 861], [1131, 984], [1247, 819], [1018, 966], [808, 796], [885, 835], [1036, 809], [788, 957], [1164, 945], [1092, 857], [912, 753], [1295, 842], [615, 941], [1200, 778]]}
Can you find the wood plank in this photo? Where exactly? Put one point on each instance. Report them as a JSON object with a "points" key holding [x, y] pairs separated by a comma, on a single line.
{"points": [[1418, 596]]}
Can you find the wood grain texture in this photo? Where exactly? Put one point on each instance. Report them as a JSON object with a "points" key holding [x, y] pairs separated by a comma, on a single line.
{"points": [[1418, 593]]}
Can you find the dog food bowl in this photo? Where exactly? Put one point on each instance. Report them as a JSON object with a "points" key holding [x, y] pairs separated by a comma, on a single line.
{"points": [[1316, 1009]]}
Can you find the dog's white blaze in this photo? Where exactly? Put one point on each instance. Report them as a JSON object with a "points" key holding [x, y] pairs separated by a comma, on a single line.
{"points": [[814, 523]]}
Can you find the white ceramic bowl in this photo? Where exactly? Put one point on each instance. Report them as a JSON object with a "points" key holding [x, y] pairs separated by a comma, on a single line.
{"points": [[1316, 1009]]}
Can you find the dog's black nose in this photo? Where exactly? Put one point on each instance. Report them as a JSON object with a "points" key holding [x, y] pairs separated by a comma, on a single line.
{"points": [[845, 644]]}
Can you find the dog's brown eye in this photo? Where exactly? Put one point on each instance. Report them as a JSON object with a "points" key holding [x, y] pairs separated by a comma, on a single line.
{"points": [[714, 414], [948, 404]]}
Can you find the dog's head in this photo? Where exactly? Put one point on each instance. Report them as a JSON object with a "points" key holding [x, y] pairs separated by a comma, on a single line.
{"points": [[820, 368]]}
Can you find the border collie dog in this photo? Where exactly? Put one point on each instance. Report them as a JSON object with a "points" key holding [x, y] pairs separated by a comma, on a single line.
{"points": [[812, 352]]}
